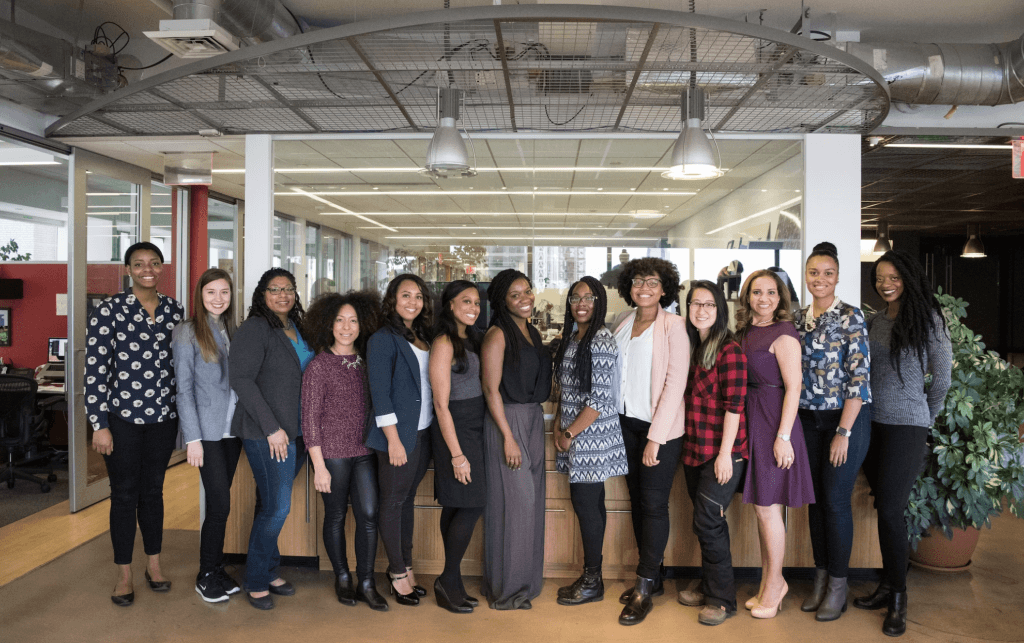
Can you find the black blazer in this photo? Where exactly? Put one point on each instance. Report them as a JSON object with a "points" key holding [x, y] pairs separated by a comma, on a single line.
{"points": [[264, 371], [394, 376]]}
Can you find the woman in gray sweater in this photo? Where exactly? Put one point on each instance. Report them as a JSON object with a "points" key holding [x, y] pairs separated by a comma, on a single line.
{"points": [[909, 341]]}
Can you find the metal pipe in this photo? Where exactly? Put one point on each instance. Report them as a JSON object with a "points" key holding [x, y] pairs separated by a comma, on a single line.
{"points": [[252, 21], [948, 73]]}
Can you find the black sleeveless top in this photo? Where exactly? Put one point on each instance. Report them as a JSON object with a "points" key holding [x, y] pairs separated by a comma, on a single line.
{"points": [[529, 381]]}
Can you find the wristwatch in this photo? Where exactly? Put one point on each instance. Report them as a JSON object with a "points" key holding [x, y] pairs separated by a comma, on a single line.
{"points": [[785, 438], [567, 434], [843, 432]]}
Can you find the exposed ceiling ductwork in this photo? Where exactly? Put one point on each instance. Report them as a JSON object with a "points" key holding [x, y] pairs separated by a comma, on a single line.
{"points": [[948, 74], [205, 28]]}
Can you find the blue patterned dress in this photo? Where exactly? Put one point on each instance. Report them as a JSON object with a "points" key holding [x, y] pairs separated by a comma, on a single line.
{"points": [[597, 453]]}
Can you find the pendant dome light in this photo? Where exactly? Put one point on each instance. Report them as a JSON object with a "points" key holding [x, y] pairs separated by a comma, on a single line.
{"points": [[974, 248], [882, 244], [692, 156], [446, 153]]}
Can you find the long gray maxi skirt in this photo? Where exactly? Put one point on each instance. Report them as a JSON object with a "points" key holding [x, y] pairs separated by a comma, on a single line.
{"points": [[514, 516]]}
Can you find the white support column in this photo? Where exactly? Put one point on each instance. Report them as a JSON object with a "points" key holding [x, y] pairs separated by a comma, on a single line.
{"points": [[831, 207], [356, 266], [259, 209]]}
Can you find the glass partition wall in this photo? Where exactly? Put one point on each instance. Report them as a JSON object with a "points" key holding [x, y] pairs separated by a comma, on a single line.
{"points": [[554, 208]]}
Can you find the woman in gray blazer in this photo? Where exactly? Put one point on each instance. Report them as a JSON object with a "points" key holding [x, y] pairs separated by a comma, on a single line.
{"points": [[266, 364], [205, 405]]}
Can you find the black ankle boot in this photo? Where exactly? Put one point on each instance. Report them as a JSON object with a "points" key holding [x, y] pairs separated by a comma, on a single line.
{"points": [[877, 600], [659, 589], [818, 593], [589, 588], [640, 603], [567, 590], [343, 588], [367, 593], [895, 623]]}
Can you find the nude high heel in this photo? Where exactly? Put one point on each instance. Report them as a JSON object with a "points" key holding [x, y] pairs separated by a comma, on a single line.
{"points": [[764, 611]]}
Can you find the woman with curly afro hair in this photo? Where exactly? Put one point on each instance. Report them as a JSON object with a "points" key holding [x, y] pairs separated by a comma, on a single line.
{"points": [[654, 351], [335, 407]]}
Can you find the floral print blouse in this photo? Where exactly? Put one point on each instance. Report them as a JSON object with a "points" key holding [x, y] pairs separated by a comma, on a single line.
{"points": [[836, 359]]}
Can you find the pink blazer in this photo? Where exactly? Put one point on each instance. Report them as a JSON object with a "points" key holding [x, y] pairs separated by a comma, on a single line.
{"points": [[669, 369]]}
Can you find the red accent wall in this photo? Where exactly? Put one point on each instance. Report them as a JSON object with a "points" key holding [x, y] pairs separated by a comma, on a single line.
{"points": [[34, 319], [198, 233]]}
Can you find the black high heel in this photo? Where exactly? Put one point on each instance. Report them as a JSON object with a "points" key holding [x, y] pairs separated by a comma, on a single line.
{"points": [[443, 601], [419, 589], [402, 599]]}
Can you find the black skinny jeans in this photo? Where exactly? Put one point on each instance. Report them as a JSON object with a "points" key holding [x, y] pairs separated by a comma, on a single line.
{"points": [[220, 459], [397, 501], [588, 503], [649, 489], [830, 519], [357, 475], [894, 461], [136, 468], [710, 500]]}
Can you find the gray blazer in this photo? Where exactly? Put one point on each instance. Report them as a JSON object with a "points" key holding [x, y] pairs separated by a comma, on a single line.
{"points": [[266, 374], [204, 392]]}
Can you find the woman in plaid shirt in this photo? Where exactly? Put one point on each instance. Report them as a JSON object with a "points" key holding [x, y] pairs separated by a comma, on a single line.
{"points": [[714, 445]]}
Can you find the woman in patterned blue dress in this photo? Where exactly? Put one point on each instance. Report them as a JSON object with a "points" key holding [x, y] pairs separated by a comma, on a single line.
{"points": [[588, 437]]}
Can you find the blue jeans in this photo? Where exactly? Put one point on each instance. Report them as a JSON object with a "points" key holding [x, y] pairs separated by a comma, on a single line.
{"points": [[274, 500], [831, 517]]}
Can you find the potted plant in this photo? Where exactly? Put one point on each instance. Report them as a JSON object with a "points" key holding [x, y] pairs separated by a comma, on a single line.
{"points": [[975, 462]]}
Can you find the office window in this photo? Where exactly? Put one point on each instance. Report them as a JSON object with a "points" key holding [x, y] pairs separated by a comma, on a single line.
{"points": [[33, 205]]}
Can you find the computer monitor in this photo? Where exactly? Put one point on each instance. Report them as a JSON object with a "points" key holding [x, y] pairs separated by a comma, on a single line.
{"points": [[58, 349]]}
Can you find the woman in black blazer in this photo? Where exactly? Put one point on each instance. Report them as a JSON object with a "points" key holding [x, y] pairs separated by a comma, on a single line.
{"points": [[397, 364], [268, 355]]}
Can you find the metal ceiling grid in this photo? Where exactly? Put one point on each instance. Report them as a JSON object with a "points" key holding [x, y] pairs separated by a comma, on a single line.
{"points": [[540, 68]]}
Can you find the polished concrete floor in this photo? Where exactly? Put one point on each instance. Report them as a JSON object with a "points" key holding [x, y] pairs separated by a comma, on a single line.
{"points": [[66, 599]]}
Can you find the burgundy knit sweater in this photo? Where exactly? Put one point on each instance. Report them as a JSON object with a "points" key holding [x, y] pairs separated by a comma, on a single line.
{"points": [[334, 399]]}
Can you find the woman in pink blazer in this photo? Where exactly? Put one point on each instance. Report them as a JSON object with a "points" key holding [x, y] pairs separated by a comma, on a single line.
{"points": [[654, 351]]}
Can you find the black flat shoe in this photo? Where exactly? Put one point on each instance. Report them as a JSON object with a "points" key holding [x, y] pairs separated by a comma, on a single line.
{"points": [[443, 601], [343, 589], [284, 589], [402, 599], [124, 600], [261, 603], [367, 593], [876, 601], [158, 585]]}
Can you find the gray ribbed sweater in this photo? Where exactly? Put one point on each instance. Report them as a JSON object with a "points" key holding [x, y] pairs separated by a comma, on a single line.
{"points": [[905, 402]]}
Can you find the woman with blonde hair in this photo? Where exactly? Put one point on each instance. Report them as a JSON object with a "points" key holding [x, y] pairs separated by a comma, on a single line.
{"points": [[778, 472]]}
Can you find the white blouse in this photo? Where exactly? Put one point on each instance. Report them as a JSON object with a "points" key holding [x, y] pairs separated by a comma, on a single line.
{"points": [[426, 395], [637, 355]]}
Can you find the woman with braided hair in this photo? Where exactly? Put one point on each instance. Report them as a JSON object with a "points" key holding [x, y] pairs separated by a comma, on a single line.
{"points": [[516, 380], [909, 341], [588, 438]]}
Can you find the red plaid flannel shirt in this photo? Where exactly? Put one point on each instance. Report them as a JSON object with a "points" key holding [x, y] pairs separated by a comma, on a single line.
{"points": [[710, 393]]}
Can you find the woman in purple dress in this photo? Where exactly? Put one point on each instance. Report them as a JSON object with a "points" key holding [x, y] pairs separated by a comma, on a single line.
{"points": [[779, 472]]}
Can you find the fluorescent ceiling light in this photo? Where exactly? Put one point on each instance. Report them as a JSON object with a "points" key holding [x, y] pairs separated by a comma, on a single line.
{"points": [[15, 155], [757, 214], [345, 210], [533, 238], [952, 146], [497, 214], [480, 170], [484, 193], [790, 215], [518, 227]]}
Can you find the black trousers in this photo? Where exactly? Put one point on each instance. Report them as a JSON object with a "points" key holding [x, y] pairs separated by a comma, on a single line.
{"points": [[588, 503], [220, 459], [356, 478], [136, 468], [649, 489], [892, 465], [710, 500], [397, 501]]}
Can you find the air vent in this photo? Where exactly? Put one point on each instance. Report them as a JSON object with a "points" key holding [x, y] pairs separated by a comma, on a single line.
{"points": [[193, 38]]}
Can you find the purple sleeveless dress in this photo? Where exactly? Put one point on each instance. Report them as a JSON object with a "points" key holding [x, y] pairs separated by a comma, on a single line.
{"points": [[767, 484]]}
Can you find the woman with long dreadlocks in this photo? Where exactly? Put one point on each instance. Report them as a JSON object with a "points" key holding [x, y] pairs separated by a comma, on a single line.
{"points": [[516, 380], [588, 438], [909, 341]]}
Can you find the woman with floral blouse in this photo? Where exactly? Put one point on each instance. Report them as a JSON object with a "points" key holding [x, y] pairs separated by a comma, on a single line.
{"points": [[836, 419], [129, 401], [714, 445]]}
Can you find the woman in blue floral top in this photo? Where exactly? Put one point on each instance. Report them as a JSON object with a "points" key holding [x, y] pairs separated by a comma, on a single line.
{"points": [[588, 437], [835, 414], [129, 401]]}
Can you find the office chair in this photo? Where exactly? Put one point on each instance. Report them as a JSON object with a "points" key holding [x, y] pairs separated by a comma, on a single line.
{"points": [[21, 429]]}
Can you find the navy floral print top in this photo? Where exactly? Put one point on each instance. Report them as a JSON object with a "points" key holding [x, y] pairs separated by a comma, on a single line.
{"points": [[836, 357], [129, 368]]}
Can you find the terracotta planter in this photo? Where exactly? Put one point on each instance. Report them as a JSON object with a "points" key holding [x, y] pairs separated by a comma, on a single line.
{"points": [[935, 552]]}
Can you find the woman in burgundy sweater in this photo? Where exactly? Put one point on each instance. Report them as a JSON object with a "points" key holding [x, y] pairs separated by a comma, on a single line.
{"points": [[335, 406]]}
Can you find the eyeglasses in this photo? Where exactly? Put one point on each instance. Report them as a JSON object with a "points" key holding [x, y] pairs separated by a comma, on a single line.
{"points": [[652, 282], [709, 305], [288, 290], [587, 299]]}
